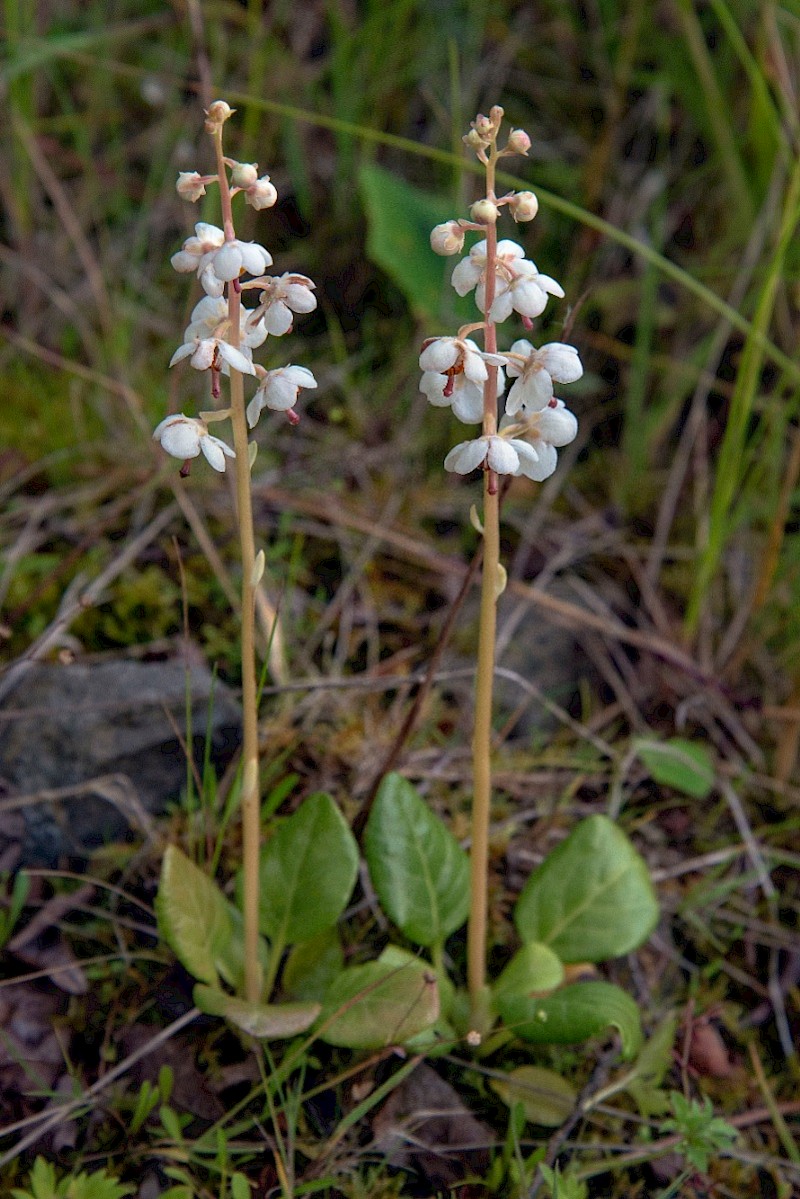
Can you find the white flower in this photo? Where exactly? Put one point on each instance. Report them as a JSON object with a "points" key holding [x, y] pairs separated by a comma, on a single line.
{"points": [[544, 431], [185, 437], [470, 271], [237, 257], [212, 352], [507, 454], [210, 319], [521, 289], [282, 296], [518, 284], [454, 372], [261, 194], [533, 378], [278, 390], [217, 261], [504, 455]]}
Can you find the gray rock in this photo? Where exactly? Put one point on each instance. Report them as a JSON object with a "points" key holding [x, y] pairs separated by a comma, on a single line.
{"points": [[92, 747]]}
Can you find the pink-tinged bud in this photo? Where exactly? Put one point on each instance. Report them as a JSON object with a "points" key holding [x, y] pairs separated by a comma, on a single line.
{"points": [[217, 114], [524, 206], [261, 194], [484, 127], [447, 238], [496, 114], [244, 174], [484, 212], [190, 186], [474, 140], [518, 142]]}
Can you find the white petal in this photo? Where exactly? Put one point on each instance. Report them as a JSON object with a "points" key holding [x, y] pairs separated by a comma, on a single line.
{"points": [[183, 262], [467, 401], [557, 425], [466, 456], [209, 282], [432, 385], [509, 250], [300, 376], [475, 368], [561, 361], [255, 258], [440, 355], [529, 298], [235, 358], [212, 235], [299, 297], [228, 262], [502, 307], [465, 275], [523, 347], [255, 408], [503, 456], [550, 285], [181, 438], [542, 466], [215, 451], [182, 352], [203, 356], [278, 318]]}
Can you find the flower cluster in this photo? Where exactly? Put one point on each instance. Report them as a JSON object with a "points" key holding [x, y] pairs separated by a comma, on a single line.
{"points": [[458, 374], [222, 332]]}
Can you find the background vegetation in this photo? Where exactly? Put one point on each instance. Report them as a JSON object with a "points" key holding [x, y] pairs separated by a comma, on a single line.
{"points": [[654, 579]]}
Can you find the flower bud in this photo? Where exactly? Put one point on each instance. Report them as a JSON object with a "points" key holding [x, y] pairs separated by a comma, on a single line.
{"points": [[447, 238], [484, 127], [484, 212], [261, 194], [518, 142], [496, 114], [524, 206], [244, 174], [474, 140], [190, 186], [217, 114]]}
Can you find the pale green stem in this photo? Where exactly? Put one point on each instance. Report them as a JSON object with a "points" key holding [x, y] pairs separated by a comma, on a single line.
{"points": [[251, 823], [484, 678]]}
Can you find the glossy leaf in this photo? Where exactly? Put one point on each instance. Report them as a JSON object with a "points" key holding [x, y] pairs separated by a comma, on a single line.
{"points": [[574, 1014], [591, 898], [418, 869], [533, 968], [379, 1004], [312, 966], [308, 871], [268, 1021], [683, 765], [193, 916], [546, 1097], [400, 218]]}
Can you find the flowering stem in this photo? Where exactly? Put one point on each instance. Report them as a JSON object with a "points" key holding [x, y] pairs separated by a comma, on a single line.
{"points": [[251, 823], [484, 679]]}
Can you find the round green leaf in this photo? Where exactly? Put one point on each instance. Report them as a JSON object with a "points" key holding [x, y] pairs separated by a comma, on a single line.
{"points": [[399, 222], [379, 1004], [533, 968], [419, 871], [193, 916], [678, 763], [308, 871], [268, 1021], [574, 1014], [546, 1097], [312, 966], [591, 898]]}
